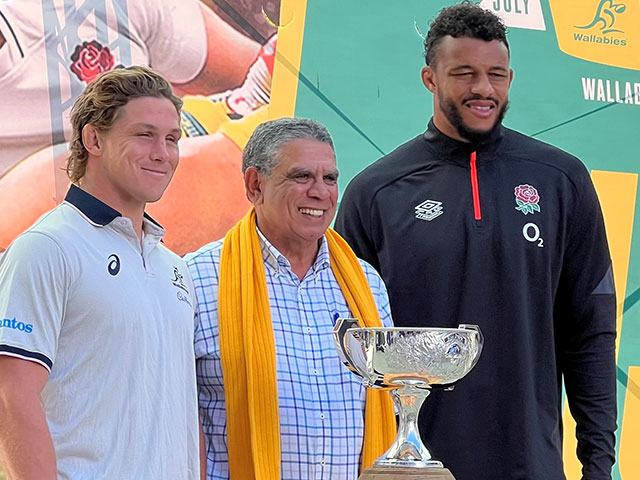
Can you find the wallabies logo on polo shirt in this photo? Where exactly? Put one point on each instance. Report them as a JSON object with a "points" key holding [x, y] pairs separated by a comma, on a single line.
{"points": [[178, 281]]}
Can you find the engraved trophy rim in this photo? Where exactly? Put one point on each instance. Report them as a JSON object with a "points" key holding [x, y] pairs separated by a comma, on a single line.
{"points": [[371, 353]]}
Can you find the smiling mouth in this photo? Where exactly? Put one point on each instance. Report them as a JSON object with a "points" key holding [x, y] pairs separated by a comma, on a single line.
{"points": [[311, 211], [485, 108], [482, 110], [481, 105], [156, 172]]}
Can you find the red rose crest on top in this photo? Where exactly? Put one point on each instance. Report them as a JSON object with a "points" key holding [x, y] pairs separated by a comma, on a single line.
{"points": [[91, 59], [527, 199]]}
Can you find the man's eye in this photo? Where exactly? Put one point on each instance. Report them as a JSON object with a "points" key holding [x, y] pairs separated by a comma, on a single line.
{"points": [[331, 179]]}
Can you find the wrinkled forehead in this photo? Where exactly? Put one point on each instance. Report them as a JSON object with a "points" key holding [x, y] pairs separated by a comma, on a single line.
{"points": [[301, 152]]}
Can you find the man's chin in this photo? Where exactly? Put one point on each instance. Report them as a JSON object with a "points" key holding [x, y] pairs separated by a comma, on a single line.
{"points": [[476, 136]]}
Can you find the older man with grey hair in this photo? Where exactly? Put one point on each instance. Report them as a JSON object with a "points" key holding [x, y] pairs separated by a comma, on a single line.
{"points": [[274, 398]]}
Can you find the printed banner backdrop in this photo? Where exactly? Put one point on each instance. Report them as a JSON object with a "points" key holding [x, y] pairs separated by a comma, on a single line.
{"points": [[210, 51], [576, 86]]}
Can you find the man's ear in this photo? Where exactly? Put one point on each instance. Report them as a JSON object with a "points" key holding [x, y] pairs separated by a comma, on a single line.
{"points": [[91, 140], [253, 185], [429, 78]]}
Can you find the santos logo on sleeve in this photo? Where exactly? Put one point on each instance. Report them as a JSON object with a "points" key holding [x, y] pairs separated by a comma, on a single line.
{"points": [[14, 325], [600, 31]]}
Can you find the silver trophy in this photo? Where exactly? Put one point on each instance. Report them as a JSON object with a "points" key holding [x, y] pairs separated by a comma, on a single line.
{"points": [[415, 360]]}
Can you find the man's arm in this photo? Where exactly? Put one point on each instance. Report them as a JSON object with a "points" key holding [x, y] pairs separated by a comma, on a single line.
{"points": [[586, 331], [229, 56], [353, 221], [26, 448], [203, 454]]}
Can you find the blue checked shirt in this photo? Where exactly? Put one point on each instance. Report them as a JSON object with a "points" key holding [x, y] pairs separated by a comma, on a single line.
{"points": [[321, 403]]}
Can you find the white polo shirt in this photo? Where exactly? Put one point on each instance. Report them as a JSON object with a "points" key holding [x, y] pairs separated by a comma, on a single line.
{"points": [[113, 322]]}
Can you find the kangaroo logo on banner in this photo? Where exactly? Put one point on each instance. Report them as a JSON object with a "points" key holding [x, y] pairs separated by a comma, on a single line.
{"points": [[600, 31], [517, 13]]}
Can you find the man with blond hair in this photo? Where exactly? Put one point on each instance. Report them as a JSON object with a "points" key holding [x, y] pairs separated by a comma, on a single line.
{"points": [[97, 377]]}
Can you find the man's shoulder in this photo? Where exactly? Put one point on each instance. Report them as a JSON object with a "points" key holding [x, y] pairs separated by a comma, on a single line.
{"points": [[41, 251], [525, 147], [55, 227], [373, 277], [403, 160], [207, 254]]}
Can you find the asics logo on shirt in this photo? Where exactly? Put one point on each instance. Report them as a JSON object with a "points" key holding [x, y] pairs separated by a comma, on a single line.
{"points": [[113, 267], [12, 324]]}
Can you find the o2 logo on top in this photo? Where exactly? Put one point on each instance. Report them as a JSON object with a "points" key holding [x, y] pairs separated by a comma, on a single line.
{"points": [[525, 14]]}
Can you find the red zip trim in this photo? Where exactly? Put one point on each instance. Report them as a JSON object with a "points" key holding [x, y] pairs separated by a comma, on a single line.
{"points": [[477, 212]]}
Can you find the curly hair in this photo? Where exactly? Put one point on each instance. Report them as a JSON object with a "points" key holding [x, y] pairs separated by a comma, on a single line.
{"points": [[101, 101], [463, 20]]}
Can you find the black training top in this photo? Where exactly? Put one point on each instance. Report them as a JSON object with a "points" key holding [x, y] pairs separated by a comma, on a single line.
{"points": [[508, 235]]}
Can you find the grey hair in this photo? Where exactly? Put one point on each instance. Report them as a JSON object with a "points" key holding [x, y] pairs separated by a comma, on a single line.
{"points": [[262, 149]]}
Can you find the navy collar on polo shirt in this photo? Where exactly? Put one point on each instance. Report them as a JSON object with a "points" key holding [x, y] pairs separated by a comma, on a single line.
{"points": [[95, 210]]}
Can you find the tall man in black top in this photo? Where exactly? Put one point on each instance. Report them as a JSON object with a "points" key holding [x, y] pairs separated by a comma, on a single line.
{"points": [[472, 222]]}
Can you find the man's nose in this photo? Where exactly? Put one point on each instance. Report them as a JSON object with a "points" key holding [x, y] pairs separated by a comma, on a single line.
{"points": [[320, 189], [483, 86], [160, 151]]}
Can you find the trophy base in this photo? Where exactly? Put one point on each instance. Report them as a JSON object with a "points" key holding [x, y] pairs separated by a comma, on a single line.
{"points": [[400, 473]]}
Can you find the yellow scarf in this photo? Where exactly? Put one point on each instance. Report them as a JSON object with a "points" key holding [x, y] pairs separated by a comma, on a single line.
{"points": [[248, 354]]}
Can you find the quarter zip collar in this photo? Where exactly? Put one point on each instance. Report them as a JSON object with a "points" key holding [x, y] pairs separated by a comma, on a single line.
{"points": [[454, 151], [467, 155]]}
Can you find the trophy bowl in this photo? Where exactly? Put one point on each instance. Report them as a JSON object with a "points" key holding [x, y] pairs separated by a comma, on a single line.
{"points": [[412, 361]]}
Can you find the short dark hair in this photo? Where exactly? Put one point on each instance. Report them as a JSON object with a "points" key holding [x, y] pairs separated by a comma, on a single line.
{"points": [[101, 101], [465, 19]]}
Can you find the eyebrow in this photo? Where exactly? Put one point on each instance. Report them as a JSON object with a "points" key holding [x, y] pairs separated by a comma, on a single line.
{"points": [[495, 67], [295, 170], [149, 126]]}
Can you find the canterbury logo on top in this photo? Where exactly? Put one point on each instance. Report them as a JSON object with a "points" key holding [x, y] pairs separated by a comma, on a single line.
{"points": [[600, 31]]}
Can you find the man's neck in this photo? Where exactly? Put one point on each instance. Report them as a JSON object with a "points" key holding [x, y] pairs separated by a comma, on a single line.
{"points": [[301, 255], [300, 265], [132, 210]]}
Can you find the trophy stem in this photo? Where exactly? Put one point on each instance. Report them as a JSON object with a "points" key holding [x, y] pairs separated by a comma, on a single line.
{"points": [[408, 449]]}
